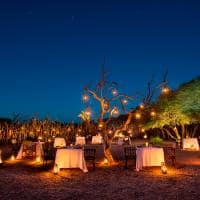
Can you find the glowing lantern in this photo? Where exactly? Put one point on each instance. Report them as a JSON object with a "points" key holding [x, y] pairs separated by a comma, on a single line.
{"points": [[38, 159], [163, 168], [88, 113], [146, 144], [39, 138], [0, 157], [124, 101], [56, 169], [142, 130], [115, 111], [145, 136], [153, 113], [105, 161], [141, 106], [110, 131], [85, 97], [165, 90], [114, 92], [130, 131], [12, 158], [137, 115], [100, 125]]}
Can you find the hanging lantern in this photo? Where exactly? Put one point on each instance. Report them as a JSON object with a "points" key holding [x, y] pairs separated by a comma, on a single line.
{"points": [[85, 97], [142, 130], [124, 101], [137, 115], [141, 106], [165, 90], [163, 168], [114, 92], [153, 113]]}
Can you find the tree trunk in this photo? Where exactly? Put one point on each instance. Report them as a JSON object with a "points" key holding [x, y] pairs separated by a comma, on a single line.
{"points": [[107, 149]]}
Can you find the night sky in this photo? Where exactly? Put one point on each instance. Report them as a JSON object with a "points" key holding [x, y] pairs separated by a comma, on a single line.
{"points": [[50, 49]]}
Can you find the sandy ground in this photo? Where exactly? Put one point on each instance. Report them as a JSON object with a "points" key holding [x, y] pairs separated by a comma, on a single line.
{"points": [[25, 180]]}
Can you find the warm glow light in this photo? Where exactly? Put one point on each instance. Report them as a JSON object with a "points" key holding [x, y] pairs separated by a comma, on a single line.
{"points": [[124, 101], [88, 113], [85, 97], [105, 161], [38, 159], [153, 113], [49, 140], [0, 157], [114, 92], [56, 169], [165, 90], [137, 115], [121, 135], [79, 130], [100, 125], [146, 144], [145, 136], [130, 131], [12, 158], [110, 131], [163, 168], [39, 138], [142, 130], [141, 106]]}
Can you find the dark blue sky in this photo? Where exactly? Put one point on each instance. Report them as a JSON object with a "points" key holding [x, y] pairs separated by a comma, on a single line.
{"points": [[50, 49]]}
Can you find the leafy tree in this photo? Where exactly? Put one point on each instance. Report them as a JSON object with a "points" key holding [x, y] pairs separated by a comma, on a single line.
{"points": [[178, 109]]}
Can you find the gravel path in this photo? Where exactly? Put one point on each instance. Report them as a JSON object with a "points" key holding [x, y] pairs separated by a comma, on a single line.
{"points": [[21, 180]]}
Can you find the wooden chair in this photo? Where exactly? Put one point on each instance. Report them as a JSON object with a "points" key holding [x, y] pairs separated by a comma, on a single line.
{"points": [[28, 149], [130, 154], [90, 155], [49, 152], [170, 154]]}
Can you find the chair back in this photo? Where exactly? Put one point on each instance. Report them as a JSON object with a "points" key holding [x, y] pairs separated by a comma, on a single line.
{"points": [[130, 152]]}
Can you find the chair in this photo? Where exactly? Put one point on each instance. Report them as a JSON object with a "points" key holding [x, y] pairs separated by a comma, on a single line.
{"points": [[90, 155], [49, 152], [130, 154], [170, 154], [28, 149]]}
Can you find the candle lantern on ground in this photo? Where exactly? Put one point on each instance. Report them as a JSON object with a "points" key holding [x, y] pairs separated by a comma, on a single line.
{"points": [[56, 169], [0, 157], [163, 168]]}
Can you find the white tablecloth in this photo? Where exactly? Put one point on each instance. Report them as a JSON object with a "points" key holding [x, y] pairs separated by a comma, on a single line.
{"points": [[71, 158], [59, 142], [39, 151], [190, 143], [80, 140], [96, 139], [149, 156]]}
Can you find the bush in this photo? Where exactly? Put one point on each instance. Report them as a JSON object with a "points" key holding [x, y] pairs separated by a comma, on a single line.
{"points": [[156, 140]]}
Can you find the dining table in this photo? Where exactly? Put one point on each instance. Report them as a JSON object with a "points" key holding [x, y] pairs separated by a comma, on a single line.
{"points": [[70, 158], [149, 156]]}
